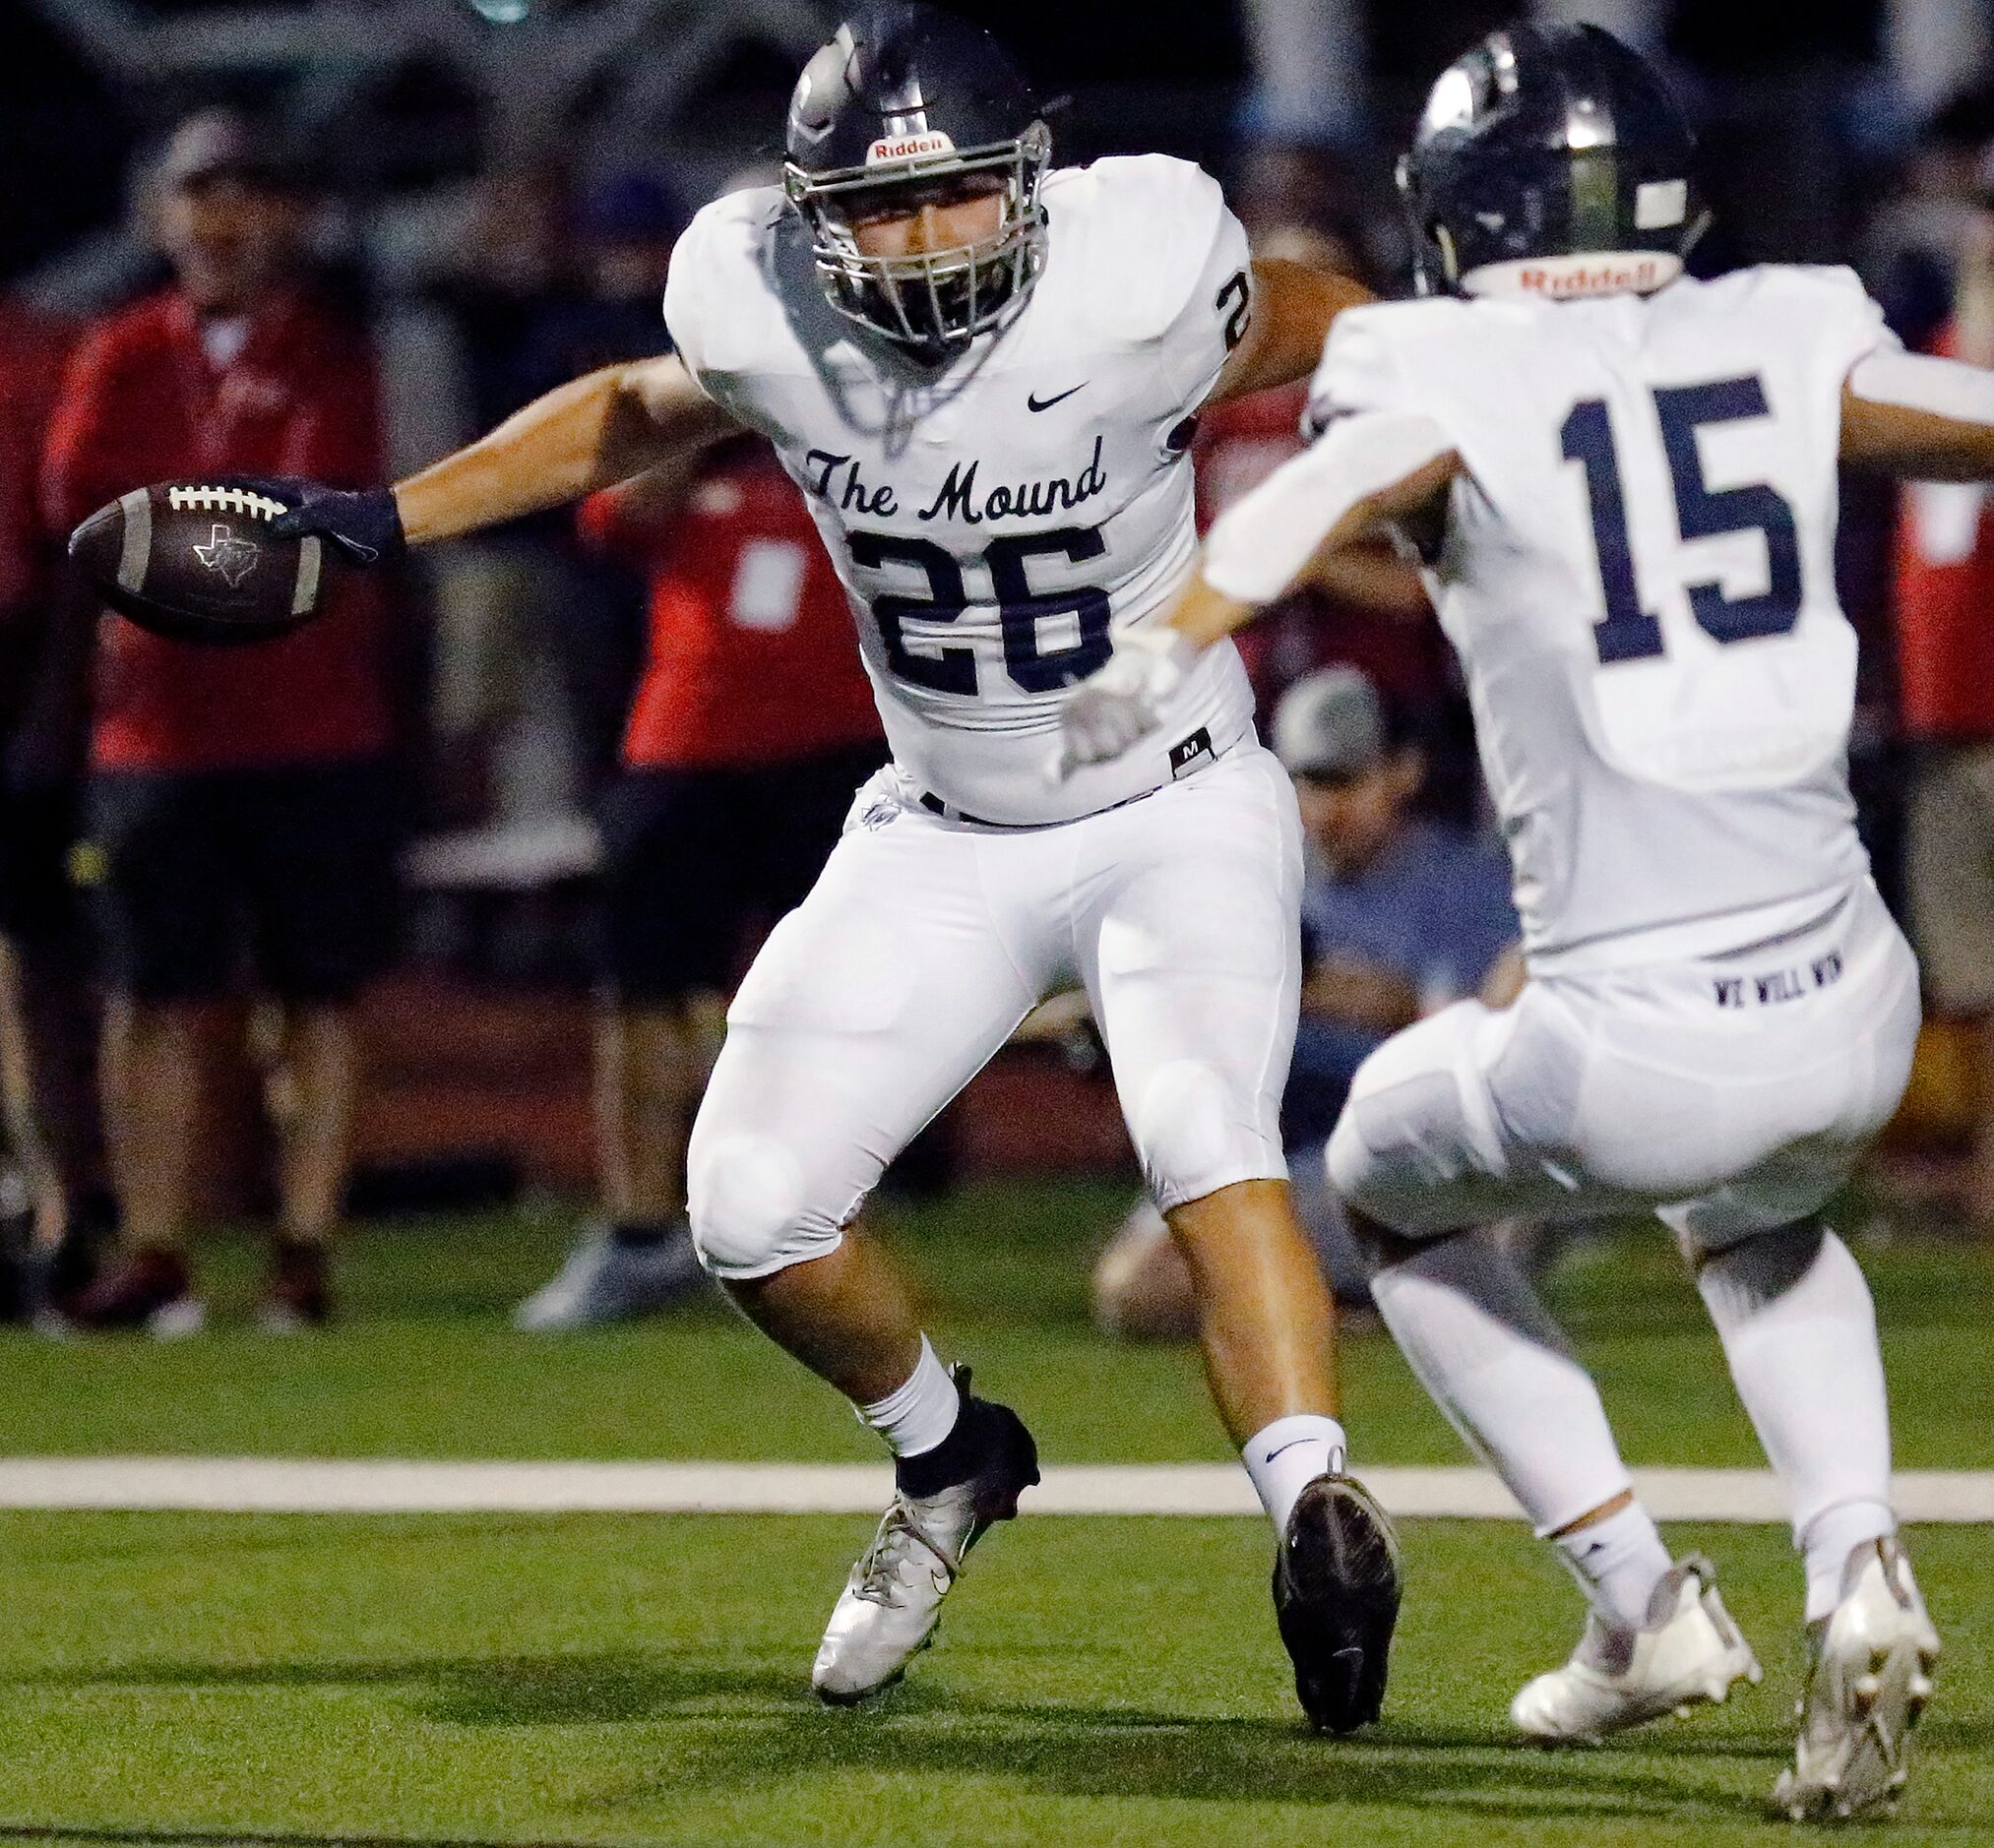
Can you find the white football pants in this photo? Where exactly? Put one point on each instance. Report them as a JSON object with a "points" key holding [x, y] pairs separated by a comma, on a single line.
{"points": [[926, 940], [1727, 1095]]}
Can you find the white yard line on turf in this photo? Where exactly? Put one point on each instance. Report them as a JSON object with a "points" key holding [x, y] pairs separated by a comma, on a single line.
{"points": [[355, 1486]]}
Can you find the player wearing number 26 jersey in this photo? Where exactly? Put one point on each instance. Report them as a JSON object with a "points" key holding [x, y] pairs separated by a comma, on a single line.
{"points": [[983, 373], [1623, 483], [992, 517]]}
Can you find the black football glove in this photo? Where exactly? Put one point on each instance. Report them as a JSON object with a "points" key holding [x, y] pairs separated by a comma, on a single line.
{"points": [[366, 525]]}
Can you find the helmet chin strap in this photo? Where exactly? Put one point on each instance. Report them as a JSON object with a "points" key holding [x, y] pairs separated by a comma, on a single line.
{"points": [[1576, 277]]}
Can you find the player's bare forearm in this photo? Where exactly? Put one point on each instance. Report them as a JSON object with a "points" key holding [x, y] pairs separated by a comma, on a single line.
{"points": [[1369, 574], [1293, 306], [1893, 439], [1203, 615], [1277, 536], [657, 497], [1923, 419], [602, 429]]}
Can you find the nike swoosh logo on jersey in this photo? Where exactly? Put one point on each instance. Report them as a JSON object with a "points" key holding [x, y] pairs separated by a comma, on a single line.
{"points": [[1032, 402]]}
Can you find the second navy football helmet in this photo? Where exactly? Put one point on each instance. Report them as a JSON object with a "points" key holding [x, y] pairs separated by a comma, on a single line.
{"points": [[1551, 161]]}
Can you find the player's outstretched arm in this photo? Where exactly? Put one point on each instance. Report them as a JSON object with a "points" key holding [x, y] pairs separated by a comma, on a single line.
{"points": [[1365, 471], [1293, 305], [602, 429], [1925, 419]]}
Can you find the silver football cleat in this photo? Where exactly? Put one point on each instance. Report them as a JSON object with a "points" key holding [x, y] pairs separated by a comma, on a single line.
{"points": [[886, 1614], [604, 1282], [890, 1606], [1689, 1651], [1869, 1676]]}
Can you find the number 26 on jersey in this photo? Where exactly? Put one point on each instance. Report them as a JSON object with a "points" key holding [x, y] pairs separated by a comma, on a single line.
{"points": [[1033, 665]]}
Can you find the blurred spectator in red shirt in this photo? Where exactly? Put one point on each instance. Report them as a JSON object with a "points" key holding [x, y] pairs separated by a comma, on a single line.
{"points": [[1944, 606], [31, 350], [625, 226], [240, 800], [47, 1004], [752, 728]]}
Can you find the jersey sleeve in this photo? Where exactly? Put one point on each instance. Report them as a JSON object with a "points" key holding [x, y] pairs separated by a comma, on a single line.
{"points": [[716, 296], [1209, 283], [1152, 248], [1850, 320], [688, 287], [1361, 369]]}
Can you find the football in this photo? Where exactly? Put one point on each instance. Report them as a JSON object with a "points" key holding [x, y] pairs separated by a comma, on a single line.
{"points": [[199, 563]]}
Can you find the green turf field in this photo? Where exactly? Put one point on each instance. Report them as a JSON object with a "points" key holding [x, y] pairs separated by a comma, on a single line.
{"points": [[299, 1681], [425, 1366]]}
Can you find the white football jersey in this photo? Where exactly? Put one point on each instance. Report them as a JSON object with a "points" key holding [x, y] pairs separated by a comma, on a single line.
{"points": [[991, 517], [1637, 574]]}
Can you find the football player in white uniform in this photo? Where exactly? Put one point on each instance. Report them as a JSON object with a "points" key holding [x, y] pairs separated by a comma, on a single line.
{"points": [[1623, 483], [983, 373]]}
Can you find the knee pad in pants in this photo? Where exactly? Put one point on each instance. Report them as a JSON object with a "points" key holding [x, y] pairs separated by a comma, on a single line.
{"points": [[749, 1208]]}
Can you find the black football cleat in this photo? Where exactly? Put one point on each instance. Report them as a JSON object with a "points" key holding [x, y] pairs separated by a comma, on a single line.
{"points": [[1335, 1598]]}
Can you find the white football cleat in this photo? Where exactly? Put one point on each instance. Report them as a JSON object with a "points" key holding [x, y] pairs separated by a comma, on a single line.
{"points": [[604, 1282], [1869, 1676], [886, 1613], [1689, 1651]]}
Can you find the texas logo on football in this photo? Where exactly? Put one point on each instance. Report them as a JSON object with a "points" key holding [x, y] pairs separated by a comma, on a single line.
{"points": [[233, 558]]}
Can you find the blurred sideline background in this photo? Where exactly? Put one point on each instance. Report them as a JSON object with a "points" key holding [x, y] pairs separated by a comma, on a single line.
{"points": [[479, 199]]}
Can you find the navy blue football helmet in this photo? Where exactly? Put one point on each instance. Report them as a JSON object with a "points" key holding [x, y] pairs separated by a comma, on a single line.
{"points": [[905, 95], [1551, 161]]}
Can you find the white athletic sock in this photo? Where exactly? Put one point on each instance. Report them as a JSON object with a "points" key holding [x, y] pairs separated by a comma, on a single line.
{"points": [[1472, 1328], [1831, 1537], [1285, 1456], [1799, 1329], [917, 1416], [1618, 1561]]}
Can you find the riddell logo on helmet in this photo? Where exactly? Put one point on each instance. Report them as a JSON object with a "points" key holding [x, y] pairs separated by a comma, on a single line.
{"points": [[907, 146], [1573, 277], [1604, 279]]}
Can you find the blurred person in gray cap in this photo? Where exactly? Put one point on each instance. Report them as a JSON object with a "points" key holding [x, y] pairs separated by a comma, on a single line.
{"points": [[1402, 915], [229, 208]]}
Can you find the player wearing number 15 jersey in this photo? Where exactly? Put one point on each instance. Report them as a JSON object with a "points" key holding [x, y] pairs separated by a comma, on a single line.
{"points": [[982, 372], [1623, 483]]}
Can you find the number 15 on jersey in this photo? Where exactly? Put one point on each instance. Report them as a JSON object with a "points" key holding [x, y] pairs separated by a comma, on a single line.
{"points": [[1629, 631]]}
